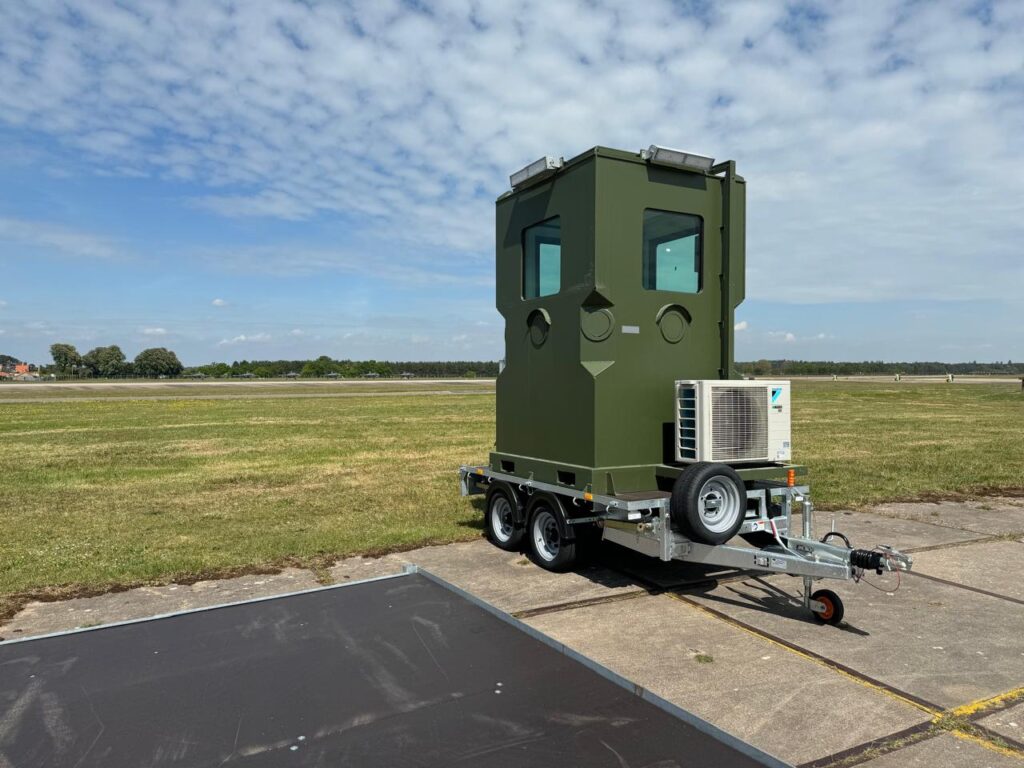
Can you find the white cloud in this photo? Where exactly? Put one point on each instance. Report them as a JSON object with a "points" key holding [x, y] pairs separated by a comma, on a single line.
{"points": [[856, 126], [296, 332], [2, 303], [244, 339], [742, 325], [782, 335], [2, 331], [219, 303], [406, 267], [154, 331], [16, 234]]}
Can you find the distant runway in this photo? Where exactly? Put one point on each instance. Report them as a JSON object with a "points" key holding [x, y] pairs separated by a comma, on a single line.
{"points": [[905, 379], [240, 396], [86, 385], [258, 389]]}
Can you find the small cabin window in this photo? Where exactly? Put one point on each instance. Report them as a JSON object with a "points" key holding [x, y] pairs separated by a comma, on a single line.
{"points": [[542, 259], [672, 251]]}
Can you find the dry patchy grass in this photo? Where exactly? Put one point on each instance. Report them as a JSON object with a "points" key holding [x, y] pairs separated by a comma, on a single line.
{"points": [[99, 495]]}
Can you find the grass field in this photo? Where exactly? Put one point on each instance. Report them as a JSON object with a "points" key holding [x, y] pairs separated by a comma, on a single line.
{"points": [[101, 494]]}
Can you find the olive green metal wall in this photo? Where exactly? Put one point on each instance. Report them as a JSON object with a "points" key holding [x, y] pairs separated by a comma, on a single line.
{"points": [[582, 392]]}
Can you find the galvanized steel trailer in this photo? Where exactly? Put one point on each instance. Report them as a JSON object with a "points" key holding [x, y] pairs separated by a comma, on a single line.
{"points": [[643, 522]]}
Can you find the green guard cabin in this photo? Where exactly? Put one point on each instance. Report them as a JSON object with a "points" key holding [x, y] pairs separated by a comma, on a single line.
{"points": [[618, 273]]}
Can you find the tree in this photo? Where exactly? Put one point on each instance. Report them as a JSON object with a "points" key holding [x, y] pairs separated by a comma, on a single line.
{"points": [[320, 367], [65, 357], [157, 361], [105, 361]]}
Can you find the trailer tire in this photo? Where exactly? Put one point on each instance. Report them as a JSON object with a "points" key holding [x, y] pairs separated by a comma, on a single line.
{"points": [[547, 544], [709, 502], [500, 520]]}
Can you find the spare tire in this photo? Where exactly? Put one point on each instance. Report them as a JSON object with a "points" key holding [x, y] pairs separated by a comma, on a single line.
{"points": [[709, 502]]}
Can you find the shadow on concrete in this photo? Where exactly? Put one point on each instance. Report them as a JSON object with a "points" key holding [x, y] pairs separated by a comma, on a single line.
{"points": [[757, 594]]}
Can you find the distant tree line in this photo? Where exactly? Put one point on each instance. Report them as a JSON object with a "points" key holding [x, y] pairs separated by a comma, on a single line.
{"points": [[111, 363], [325, 366], [828, 368]]}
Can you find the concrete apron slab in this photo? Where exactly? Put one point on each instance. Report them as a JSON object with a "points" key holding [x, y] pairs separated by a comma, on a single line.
{"points": [[508, 581], [782, 703], [866, 530], [40, 618], [995, 516], [942, 751], [996, 566], [940, 643], [511, 582]]}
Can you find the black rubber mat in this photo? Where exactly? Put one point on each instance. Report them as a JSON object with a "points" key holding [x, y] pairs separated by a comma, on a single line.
{"points": [[395, 672]]}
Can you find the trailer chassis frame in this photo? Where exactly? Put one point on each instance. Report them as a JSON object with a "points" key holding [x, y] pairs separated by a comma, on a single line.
{"points": [[642, 524]]}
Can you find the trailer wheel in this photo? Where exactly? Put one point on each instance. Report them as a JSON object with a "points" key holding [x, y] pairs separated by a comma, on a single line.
{"points": [[709, 502], [833, 610], [547, 546], [500, 522]]}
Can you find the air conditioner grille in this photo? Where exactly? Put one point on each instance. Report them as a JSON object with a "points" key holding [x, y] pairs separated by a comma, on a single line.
{"points": [[688, 422], [739, 423]]}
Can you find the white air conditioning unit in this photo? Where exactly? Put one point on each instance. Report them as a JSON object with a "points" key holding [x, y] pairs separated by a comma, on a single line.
{"points": [[732, 422]]}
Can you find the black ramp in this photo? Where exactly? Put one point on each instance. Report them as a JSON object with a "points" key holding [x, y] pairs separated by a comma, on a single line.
{"points": [[395, 672]]}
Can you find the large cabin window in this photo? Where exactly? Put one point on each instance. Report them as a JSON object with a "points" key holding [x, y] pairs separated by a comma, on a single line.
{"points": [[672, 251], [542, 259]]}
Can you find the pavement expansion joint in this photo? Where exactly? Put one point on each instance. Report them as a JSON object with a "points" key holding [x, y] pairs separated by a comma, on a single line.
{"points": [[967, 587], [958, 722], [953, 544], [869, 750], [861, 679], [983, 707], [573, 604], [983, 737], [932, 522]]}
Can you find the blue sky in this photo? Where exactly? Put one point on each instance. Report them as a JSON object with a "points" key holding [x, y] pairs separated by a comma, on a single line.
{"points": [[279, 179]]}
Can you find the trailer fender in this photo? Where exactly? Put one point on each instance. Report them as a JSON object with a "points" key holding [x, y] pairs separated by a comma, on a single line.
{"points": [[518, 501], [568, 532]]}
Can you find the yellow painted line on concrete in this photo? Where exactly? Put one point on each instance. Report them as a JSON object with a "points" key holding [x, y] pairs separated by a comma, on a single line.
{"points": [[810, 657], [993, 702], [991, 746]]}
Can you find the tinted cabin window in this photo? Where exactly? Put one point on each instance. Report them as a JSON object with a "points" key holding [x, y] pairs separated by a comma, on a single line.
{"points": [[542, 259], [672, 251]]}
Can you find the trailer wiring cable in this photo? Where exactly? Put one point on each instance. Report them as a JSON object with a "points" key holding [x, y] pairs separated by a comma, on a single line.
{"points": [[824, 539], [775, 533], [891, 565], [858, 573]]}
